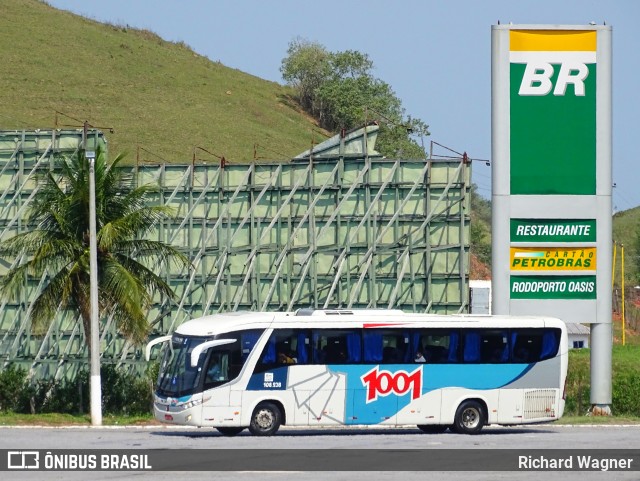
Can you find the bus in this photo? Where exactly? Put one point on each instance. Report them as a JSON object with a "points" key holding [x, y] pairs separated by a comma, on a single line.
{"points": [[261, 370]]}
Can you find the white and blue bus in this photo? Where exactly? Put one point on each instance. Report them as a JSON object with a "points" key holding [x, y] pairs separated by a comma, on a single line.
{"points": [[262, 370]]}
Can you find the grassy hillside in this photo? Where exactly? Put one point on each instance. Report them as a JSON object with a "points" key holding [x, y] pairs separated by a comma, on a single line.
{"points": [[155, 94], [626, 226], [162, 100]]}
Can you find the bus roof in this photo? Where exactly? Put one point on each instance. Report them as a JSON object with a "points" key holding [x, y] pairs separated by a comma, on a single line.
{"points": [[344, 318]]}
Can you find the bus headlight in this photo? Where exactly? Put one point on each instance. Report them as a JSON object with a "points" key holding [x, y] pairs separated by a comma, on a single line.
{"points": [[191, 404]]}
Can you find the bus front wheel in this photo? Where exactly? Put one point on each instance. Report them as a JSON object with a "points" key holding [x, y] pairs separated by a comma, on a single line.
{"points": [[470, 418], [265, 420], [230, 431]]}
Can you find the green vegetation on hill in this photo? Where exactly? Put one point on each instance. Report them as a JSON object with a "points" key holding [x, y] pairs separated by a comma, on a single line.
{"points": [[163, 100], [155, 94], [626, 230], [625, 384], [480, 227]]}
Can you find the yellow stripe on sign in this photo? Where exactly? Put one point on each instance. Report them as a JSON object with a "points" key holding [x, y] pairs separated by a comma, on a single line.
{"points": [[552, 258], [553, 40]]}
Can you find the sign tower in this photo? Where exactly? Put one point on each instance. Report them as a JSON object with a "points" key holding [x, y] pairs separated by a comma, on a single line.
{"points": [[551, 181]]}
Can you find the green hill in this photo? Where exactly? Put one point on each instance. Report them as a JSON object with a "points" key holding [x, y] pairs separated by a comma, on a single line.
{"points": [[154, 94], [626, 226], [162, 99]]}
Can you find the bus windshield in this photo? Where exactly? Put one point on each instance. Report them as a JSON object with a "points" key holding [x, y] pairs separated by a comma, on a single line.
{"points": [[221, 363], [177, 377]]}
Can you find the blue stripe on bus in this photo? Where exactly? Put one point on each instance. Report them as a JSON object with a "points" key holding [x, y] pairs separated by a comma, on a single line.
{"points": [[467, 376], [435, 376], [360, 410]]}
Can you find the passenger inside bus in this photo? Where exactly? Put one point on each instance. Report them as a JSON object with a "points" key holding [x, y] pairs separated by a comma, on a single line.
{"points": [[218, 368], [435, 354], [284, 358], [391, 355], [335, 355]]}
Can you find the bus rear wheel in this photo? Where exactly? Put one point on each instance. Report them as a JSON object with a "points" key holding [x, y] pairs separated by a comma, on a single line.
{"points": [[470, 418], [432, 428], [230, 431], [265, 420]]}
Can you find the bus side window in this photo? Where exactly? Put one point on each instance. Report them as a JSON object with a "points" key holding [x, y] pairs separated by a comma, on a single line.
{"points": [[494, 346], [302, 347], [285, 346], [394, 347], [550, 343], [248, 340], [471, 346], [337, 346], [438, 346], [525, 345], [533, 345], [386, 346], [452, 351], [372, 341], [223, 365]]}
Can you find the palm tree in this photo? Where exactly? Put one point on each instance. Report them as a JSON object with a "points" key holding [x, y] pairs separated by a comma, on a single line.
{"points": [[58, 247]]}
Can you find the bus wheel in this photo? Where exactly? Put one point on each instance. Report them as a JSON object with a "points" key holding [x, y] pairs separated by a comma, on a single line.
{"points": [[469, 418], [230, 431], [265, 420], [432, 428]]}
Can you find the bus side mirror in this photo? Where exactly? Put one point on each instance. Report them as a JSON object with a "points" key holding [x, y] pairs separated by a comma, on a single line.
{"points": [[195, 354], [158, 340]]}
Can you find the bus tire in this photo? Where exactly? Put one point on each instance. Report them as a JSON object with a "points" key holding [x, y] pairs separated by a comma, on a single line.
{"points": [[230, 431], [470, 418], [265, 420], [432, 428]]}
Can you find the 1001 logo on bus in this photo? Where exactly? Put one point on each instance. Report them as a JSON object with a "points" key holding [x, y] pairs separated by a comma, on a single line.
{"points": [[383, 383]]}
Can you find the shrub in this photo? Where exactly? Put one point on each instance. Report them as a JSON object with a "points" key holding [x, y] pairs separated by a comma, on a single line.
{"points": [[12, 384], [626, 393], [122, 392], [578, 384]]}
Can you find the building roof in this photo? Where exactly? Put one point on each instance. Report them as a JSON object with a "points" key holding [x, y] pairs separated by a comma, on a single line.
{"points": [[573, 328]]}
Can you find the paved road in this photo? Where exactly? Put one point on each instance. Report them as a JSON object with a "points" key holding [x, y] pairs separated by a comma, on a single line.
{"points": [[524, 438]]}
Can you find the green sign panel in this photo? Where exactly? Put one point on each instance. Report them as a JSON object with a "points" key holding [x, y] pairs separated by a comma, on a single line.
{"points": [[553, 113], [552, 230], [553, 287]]}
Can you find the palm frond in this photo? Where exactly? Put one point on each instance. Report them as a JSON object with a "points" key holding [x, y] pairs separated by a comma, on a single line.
{"points": [[155, 252], [56, 294], [57, 244], [151, 281]]}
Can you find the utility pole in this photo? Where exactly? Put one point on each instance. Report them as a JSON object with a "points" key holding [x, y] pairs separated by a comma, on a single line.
{"points": [[96, 383]]}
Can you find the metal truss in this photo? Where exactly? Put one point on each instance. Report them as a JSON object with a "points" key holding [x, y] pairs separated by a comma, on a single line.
{"points": [[344, 231]]}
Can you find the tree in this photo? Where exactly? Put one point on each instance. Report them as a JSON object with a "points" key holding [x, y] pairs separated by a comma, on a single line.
{"points": [[480, 230], [306, 68], [58, 247], [339, 90]]}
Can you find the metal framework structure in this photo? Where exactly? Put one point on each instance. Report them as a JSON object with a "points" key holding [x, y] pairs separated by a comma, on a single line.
{"points": [[333, 231]]}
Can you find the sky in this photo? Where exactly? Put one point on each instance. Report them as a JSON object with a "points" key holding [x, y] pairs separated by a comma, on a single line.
{"points": [[435, 55]]}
